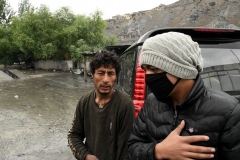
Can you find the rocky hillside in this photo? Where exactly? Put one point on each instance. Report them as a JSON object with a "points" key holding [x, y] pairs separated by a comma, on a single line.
{"points": [[183, 13]]}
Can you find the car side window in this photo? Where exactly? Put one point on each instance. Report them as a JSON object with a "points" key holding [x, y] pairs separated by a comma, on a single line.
{"points": [[235, 78], [128, 71], [221, 68], [223, 80], [119, 78]]}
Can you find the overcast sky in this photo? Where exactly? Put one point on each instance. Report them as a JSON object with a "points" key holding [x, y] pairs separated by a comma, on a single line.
{"points": [[109, 8]]}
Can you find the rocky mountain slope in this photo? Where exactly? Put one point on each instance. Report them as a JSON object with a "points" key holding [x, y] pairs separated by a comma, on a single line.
{"points": [[183, 13]]}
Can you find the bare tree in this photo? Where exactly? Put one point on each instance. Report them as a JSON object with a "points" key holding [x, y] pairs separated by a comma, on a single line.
{"points": [[6, 12], [24, 6]]}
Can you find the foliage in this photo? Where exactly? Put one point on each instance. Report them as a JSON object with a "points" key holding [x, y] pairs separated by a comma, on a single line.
{"points": [[110, 41], [90, 32], [34, 33], [8, 51], [64, 36], [38, 34], [77, 50]]}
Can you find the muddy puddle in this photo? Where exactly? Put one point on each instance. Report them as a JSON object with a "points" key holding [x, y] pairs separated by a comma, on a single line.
{"points": [[36, 113]]}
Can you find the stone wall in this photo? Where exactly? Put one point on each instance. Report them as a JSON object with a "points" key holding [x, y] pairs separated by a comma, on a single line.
{"points": [[64, 65], [51, 64]]}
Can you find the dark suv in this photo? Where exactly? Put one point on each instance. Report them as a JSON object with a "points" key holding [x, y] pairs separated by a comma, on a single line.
{"points": [[220, 49]]}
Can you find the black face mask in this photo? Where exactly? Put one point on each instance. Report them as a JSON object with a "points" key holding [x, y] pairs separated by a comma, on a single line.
{"points": [[160, 85]]}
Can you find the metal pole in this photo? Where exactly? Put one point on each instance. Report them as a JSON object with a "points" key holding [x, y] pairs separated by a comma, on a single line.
{"points": [[85, 68]]}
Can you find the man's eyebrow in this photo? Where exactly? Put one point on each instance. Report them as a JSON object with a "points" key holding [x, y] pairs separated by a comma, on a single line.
{"points": [[101, 70]]}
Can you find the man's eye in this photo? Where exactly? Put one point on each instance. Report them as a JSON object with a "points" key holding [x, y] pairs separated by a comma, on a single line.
{"points": [[111, 73]]}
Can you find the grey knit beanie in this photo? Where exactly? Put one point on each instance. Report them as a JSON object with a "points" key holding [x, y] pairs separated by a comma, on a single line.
{"points": [[174, 53]]}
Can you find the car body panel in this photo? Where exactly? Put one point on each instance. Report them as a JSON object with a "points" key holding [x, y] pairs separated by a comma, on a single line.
{"points": [[220, 49]]}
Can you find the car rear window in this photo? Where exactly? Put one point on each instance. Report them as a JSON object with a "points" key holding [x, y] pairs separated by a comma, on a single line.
{"points": [[221, 66]]}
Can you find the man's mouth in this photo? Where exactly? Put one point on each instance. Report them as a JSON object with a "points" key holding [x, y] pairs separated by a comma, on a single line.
{"points": [[105, 87]]}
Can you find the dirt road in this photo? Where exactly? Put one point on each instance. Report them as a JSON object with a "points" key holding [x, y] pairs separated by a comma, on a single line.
{"points": [[36, 113]]}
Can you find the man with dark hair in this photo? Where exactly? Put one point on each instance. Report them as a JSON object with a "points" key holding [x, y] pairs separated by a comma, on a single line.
{"points": [[182, 119], [104, 116]]}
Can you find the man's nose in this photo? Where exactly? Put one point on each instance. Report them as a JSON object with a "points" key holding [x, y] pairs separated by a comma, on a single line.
{"points": [[105, 78]]}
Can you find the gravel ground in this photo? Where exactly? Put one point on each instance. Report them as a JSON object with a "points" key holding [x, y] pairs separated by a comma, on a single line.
{"points": [[36, 113]]}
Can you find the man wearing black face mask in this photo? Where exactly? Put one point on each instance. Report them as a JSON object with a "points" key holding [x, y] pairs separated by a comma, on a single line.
{"points": [[160, 84], [182, 119]]}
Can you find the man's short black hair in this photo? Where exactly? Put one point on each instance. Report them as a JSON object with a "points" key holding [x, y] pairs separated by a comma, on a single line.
{"points": [[105, 58]]}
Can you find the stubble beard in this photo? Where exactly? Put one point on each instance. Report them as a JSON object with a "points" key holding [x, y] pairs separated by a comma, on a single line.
{"points": [[104, 93]]}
